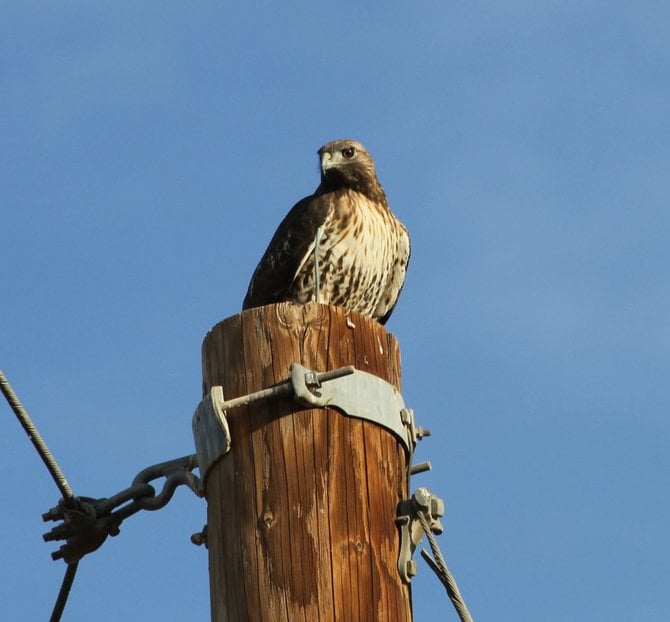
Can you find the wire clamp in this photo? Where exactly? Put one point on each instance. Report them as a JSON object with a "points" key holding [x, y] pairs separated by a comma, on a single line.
{"points": [[210, 430], [423, 504], [87, 521], [353, 392], [361, 395]]}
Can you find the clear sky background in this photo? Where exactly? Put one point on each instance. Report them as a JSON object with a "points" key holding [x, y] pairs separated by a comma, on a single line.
{"points": [[147, 153]]}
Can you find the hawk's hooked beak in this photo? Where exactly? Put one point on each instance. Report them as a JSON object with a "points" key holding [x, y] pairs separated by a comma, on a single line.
{"points": [[327, 161]]}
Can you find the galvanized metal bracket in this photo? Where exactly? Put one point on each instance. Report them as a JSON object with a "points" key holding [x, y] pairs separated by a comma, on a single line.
{"points": [[353, 392], [210, 431], [412, 528], [360, 395]]}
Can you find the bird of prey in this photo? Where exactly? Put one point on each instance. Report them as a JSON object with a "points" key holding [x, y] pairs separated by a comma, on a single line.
{"points": [[341, 245]]}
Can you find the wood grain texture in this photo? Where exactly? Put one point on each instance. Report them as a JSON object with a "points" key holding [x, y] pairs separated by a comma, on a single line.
{"points": [[301, 512]]}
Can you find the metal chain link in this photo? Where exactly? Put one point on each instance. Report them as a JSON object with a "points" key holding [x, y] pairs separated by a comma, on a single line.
{"points": [[87, 522]]}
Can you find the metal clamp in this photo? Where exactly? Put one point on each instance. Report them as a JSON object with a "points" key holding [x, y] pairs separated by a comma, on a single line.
{"points": [[361, 395], [211, 431], [210, 425], [87, 521], [353, 392], [431, 508]]}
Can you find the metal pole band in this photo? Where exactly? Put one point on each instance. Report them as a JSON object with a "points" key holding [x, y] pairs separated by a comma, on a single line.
{"points": [[354, 393]]}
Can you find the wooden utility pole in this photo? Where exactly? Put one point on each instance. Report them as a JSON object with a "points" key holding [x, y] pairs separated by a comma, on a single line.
{"points": [[301, 511]]}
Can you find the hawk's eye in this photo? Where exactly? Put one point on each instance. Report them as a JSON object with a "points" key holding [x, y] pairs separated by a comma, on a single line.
{"points": [[348, 152]]}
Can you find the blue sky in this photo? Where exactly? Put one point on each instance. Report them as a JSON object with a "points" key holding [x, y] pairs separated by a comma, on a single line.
{"points": [[148, 152]]}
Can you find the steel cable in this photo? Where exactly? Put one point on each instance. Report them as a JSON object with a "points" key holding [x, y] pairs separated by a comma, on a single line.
{"points": [[439, 567], [64, 592], [35, 437], [57, 475]]}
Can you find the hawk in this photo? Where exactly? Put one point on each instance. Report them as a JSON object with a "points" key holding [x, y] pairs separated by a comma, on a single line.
{"points": [[341, 245]]}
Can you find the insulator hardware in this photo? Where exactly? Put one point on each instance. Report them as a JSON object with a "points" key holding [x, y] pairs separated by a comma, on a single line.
{"points": [[431, 508], [353, 392], [87, 521]]}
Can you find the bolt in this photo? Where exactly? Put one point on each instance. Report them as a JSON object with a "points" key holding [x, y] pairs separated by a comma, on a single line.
{"points": [[53, 514], [436, 506], [421, 432], [312, 379], [420, 467], [422, 498], [198, 538]]}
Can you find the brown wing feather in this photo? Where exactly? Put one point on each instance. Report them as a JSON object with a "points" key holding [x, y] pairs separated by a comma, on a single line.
{"points": [[272, 279], [387, 315]]}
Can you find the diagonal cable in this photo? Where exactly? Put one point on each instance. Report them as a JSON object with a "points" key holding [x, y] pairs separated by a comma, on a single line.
{"points": [[55, 472], [439, 567], [35, 437], [64, 592]]}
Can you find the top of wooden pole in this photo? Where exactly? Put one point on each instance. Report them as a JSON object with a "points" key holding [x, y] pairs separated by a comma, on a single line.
{"points": [[301, 512]]}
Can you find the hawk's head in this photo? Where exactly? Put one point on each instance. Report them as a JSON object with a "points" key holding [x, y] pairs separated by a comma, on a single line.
{"points": [[346, 164]]}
